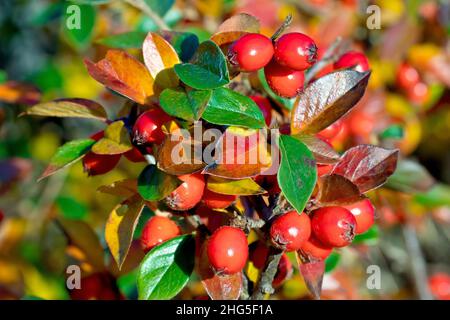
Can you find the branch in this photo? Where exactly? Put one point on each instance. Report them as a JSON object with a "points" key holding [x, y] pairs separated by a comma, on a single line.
{"points": [[264, 285], [140, 4]]}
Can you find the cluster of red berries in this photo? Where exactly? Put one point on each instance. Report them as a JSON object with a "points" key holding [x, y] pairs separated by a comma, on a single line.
{"points": [[284, 60], [408, 79]]}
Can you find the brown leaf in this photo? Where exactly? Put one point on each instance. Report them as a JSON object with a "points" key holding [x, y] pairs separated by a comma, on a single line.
{"points": [[21, 93], [180, 155], [337, 190], [326, 100], [322, 151], [121, 72], [123, 188], [240, 22], [367, 166], [226, 38]]}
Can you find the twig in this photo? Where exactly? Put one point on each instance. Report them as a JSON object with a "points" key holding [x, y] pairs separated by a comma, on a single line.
{"points": [[264, 285], [140, 4], [286, 23], [418, 266]]}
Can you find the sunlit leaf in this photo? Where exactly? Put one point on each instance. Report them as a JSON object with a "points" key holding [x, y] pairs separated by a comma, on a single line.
{"points": [[298, 173], [67, 154], [243, 187], [322, 151], [227, 107], [337, 190], [226, 38], [326, 100], [184, 43], [68, 108], [154, 184], [124, 74], [166, 269], [120, 227], [367, 166], [116, 140], [207, 68], [185, 103]]}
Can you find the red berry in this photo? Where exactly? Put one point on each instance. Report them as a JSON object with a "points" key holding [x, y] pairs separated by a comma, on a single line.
{"points": [[290, 231], [227, 250], [364, 213], [134, 155], [439, 284], [96, 164], [284, 81], [333, 226], [215, 200], [331, 131], [251, 52], [188, 194], [418, 93], [2, 216], [354, 60], [283, 272], [407, 76], [296, 51], [265, 106], [314, 249], [158, 230], [259, 255], [90, 287], [147, 128]]}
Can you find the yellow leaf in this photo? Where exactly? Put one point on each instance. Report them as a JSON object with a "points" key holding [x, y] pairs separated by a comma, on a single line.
{"points": [[243, 187], [115, 141]]}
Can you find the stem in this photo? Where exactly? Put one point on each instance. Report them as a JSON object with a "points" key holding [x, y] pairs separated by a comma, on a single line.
{"points": [[140, 4], [418, 267], [286, 23], [264, 285]]}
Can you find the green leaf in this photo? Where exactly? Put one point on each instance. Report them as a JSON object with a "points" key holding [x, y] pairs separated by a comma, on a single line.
{"points": [[185, 103], [184, 43], [160, 7], [79, 22], [370, 237], [298, 173], [227, 107], [66, 155], [49, 13], [166, 269], [71, 208], [394, 131], [207, 69], [3, 76], [438, 195], [126, 40], [155, 185], [332, 261]]}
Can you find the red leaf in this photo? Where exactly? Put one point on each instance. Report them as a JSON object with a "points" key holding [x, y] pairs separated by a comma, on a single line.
{"points": [[337, 190], [367, 166]]}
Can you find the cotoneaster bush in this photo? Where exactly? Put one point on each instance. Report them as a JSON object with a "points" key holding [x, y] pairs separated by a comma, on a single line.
{"points": [[300, 196]]}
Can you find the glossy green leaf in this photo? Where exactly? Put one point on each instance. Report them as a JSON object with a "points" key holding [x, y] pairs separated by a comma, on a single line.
{"points": [[166, 269], [185, 103], [206, 70], [227, 107], [79, 23], [67, 154], [154, 184], [126, 40], [297, 174]]}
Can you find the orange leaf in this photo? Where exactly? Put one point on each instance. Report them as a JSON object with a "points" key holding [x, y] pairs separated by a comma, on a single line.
{"points": [[15, 92], [124, 74]]}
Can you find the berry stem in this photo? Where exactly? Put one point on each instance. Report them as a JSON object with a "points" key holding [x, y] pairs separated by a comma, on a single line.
{"points": [[286, 23], [264, 285]]}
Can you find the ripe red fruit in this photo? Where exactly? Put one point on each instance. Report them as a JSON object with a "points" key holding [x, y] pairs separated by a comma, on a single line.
{"points": [[134, 155], [352, 59], [314, 249], [158, 230], [289, 231], [96, 164], [215, 200], [439, 284], [227, 250], [99, 286], [332, 130], [284, 81], [407, 76], [283, 272], [265, 107], [251, 52], [147, 128], [259, 255], [364, 213], [188, 194], [333, 226], [296, 51]]}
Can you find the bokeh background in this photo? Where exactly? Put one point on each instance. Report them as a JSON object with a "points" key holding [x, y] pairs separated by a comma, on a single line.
{"points": [[51, 224]]}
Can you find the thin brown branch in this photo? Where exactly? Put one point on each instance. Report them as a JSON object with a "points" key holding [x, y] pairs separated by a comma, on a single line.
{"points": [[264, 285]]}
